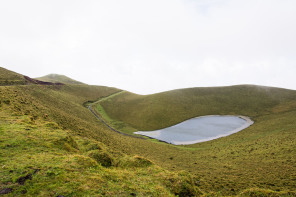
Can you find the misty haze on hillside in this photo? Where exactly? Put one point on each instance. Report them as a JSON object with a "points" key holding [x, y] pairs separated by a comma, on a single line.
{"points": [[152, 46]]}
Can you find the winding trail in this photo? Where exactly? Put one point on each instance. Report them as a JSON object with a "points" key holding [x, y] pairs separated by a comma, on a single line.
{"points": [[97, 116]]}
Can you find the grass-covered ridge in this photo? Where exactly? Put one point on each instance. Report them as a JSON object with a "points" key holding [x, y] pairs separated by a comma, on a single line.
{"points": [[55, 78], [45, 151], [8, 77], [53, 144], [263, 155], [161, 110]]}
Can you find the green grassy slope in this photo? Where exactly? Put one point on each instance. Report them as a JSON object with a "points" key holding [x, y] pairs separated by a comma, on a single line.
{"points": [[263, 155], [55, 78], [161, 110], [47, 134], [52, 145], [8, 77], [113, 123]]}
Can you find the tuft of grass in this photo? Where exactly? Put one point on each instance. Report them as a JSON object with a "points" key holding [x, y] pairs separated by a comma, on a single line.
{"points": [[67, 143], [102, 157], [52, 125], [181, 187], [135, 161]]}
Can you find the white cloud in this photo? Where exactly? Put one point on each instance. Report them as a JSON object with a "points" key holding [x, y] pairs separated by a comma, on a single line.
{"points": [[151, 46]]}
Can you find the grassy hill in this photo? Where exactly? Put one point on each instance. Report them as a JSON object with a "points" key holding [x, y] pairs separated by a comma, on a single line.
{"points": [[8, 77], [52, 145], [161, 110], [55, 78], [263, 155], [40, 158]]}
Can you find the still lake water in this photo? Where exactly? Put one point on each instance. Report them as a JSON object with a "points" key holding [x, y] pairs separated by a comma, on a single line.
{"points": [[200, 129]]}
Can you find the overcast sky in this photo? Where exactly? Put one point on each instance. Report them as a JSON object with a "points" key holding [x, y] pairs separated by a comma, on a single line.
{"points": [[153, 45]]}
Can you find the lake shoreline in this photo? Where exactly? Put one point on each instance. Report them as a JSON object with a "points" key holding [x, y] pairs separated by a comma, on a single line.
{"points": [[155, 134]]}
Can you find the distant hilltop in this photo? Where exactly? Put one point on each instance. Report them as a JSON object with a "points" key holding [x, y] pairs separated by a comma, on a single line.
{"points": [[8, 77], [56, 78]]}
